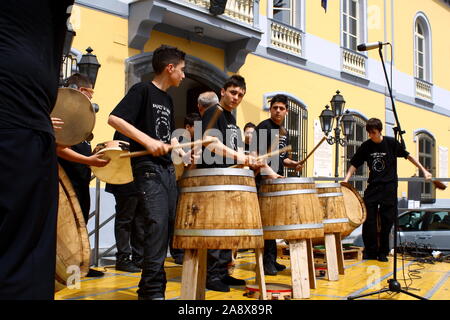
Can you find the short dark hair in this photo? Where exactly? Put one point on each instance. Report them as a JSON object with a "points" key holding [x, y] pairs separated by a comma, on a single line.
{"points": [[374, 124], [249, 125], [191, 118], [279, 98], [165, 55], [77, 80], [235, 81]]}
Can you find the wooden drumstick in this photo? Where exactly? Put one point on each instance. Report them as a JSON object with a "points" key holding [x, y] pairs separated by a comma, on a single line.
{"points": [[182, 145], [438, 184], [268, 155], [312, 151]]}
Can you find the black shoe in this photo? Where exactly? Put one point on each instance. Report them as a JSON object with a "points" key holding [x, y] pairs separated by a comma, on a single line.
{"points": [[178, 260], [127, 265], [150, 298], [383, 258], [217, 285], [95, 274], [369, 256], [229, 280], [279, 267], [270, 270]]}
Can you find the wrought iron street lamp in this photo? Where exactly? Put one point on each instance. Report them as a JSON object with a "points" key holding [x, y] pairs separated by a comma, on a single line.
{"points": [[344, 123], [89, 66]]}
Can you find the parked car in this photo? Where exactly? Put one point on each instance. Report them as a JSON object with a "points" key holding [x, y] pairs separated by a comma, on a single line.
{"points": [[424, 227]]}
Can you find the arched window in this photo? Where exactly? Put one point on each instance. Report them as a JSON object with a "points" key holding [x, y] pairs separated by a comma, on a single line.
{"points": [[427, 157], [354, 141], [296, 123], [422, 58]]}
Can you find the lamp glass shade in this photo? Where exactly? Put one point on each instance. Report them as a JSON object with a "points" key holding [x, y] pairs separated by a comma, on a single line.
{"points": [[348, 122], [89, 66], [337, 104], [326, 120]]}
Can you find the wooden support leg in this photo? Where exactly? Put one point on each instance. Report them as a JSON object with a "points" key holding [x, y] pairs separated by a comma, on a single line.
{"points": [[331, 256], [260, 274], [201, 274], [189, 276], [340, 253], [311, 268], [299, 269]]}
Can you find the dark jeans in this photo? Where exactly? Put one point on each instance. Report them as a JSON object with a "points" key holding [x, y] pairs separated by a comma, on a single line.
{"points": [[218, 260], [158, 208], [380, 199], [84, 198], [270, 253], [129, 228], [28, 214]]}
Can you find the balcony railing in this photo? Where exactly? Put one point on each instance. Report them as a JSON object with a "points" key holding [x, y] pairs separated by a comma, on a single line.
{"points": [[353, 62], [423, 90], [241, 10], [286, 38]]}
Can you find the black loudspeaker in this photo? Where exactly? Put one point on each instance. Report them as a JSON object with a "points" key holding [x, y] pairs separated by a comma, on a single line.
{"points": [[217, 7]]}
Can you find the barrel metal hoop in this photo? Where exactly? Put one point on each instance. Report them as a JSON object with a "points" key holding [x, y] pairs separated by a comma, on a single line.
{"points": [[327, 185], [218, 172], [288, 181], [294, 227], [331, 194], [287, 193], [218, 232], [342, 220], [226, 187]]}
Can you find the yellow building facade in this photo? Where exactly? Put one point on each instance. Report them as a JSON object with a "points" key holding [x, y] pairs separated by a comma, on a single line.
{"points": [[295, 47]]}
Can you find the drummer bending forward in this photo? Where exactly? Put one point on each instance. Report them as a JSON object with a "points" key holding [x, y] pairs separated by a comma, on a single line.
{"points": [[380, 197], [273, 136], [146, 115], [76, 160]]}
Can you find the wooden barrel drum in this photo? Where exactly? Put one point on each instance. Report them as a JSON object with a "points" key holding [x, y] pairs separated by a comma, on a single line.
{"points": [[354, 207], [290, 209], [332, 199], [72, 246], [218, 209]]}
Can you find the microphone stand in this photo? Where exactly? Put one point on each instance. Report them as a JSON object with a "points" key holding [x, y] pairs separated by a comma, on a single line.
{"points": [[394, 285]]}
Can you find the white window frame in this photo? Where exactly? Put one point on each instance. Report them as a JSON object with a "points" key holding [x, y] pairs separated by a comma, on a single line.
{"points": [[361, 23], [421, 19], [297, 15]]}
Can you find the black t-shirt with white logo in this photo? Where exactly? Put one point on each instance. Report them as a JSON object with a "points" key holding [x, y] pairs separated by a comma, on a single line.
{"points": [[150, 110], [228, 133], [31, 42], [268, 137], [381, 158]]}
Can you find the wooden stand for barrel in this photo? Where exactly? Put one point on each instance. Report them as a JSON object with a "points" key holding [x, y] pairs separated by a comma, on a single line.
{"points": [[335, 221], [72, 246], [291, 210], [217, 209]]}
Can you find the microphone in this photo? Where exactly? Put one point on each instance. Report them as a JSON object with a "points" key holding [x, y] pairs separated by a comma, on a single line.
{"points": [[371, 45]]}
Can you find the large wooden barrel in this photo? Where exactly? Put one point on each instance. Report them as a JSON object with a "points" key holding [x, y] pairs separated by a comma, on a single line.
{"points": [[290, 209], [72, 246], [218, 209], [355, 208], [332, 199]]}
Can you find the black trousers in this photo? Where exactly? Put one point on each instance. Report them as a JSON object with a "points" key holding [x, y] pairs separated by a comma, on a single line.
{"points": [[158, 208], [28, 214], [81, 189], [380, 200], [129, 228], [270, 253], [217, 264]]}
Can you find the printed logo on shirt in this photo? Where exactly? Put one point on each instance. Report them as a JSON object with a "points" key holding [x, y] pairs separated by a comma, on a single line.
{"points": [[232, 136], [282, 144], [162, 121], [378, 163]]}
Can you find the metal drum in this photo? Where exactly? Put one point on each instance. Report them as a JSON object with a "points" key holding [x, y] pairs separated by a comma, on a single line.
{"points": [[290, 209], [118, 170], [78, 114], [218, 209]]}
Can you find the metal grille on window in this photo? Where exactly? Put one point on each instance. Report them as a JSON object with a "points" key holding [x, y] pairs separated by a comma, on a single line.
{"points": [[354, 141], [69, 66], [296, 122], [427, 159]]}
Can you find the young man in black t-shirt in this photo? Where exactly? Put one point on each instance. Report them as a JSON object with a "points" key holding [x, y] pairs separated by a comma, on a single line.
{"points": [[31, 43], [269, 136], [380, 153], [222, 154], [146, 116]]}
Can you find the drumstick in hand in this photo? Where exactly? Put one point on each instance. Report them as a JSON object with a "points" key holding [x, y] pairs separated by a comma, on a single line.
{"points": [[268, 155], [182, 145], [312, 151]]}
